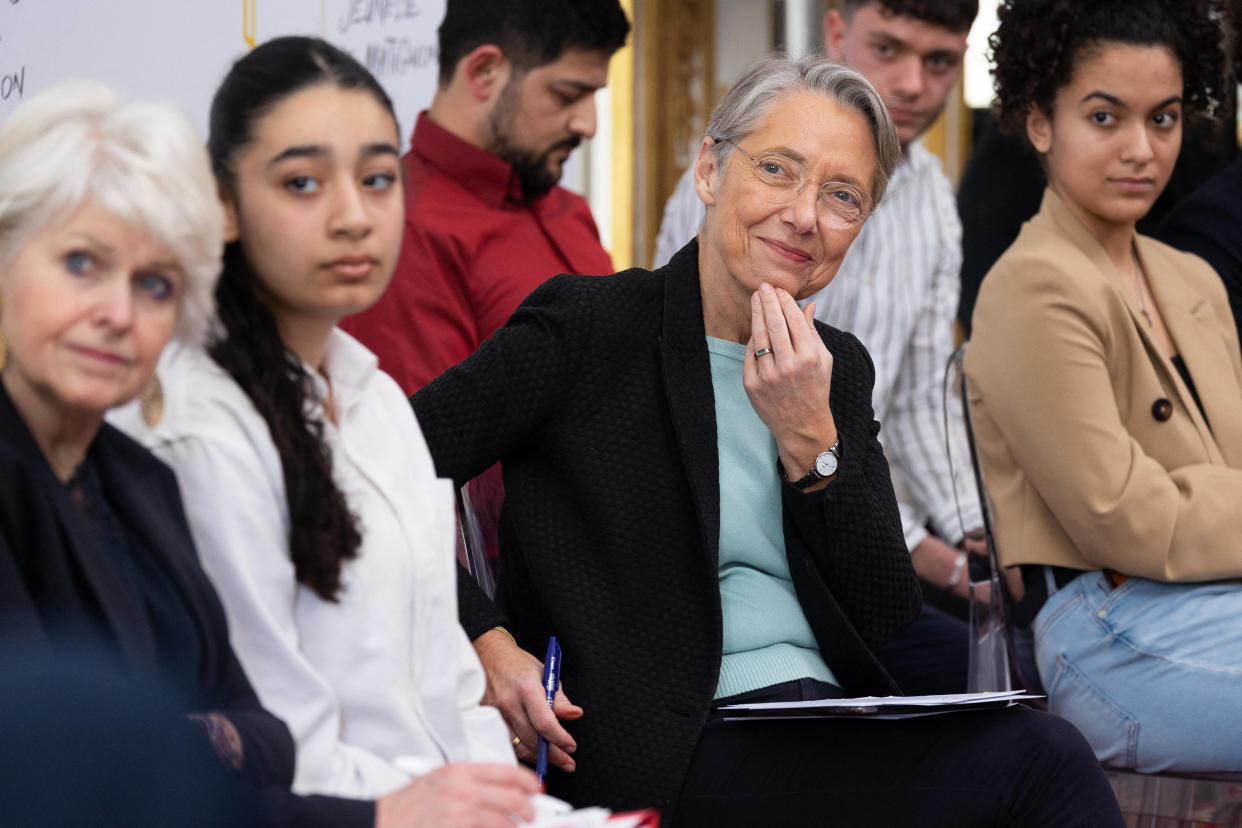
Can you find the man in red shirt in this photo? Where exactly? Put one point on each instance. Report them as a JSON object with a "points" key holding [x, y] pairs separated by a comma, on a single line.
{"points": [[485, 220]]}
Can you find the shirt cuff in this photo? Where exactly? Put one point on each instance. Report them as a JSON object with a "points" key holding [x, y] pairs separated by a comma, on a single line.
{"points": [[913, 524], [952, 528]]}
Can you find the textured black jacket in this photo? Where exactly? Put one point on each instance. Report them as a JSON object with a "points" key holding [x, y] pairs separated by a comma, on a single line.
{"points": [[597, 398], [50, 559]]}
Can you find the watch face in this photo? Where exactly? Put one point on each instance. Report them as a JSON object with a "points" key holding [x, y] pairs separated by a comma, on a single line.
{"points": [[826, 464]]}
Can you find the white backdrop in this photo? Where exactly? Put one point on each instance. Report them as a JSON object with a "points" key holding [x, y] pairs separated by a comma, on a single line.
{"points": [[178, 50]]}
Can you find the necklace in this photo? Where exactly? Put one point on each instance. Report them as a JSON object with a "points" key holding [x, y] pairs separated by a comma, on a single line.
{"points": [[1143, 309], [1139, 281]]}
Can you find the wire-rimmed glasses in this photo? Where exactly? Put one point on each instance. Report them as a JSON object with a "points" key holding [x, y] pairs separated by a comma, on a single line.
{"points": [[783, 179]]}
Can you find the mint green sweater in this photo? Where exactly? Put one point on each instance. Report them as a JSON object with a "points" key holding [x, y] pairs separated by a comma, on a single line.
{"points": [[767, 639]]}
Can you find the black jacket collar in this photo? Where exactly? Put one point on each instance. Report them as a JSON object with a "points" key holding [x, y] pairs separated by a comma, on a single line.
{"points": [[688, 389], [121, 609]]}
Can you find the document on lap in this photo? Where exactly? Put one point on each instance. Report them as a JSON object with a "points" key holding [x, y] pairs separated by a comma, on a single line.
{"points": [[875, 707]]}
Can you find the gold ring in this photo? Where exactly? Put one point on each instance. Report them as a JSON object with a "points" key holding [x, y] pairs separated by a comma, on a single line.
{"points": [[516, 741]]}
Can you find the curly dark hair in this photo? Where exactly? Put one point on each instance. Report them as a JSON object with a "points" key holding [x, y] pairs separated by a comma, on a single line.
{"points": [[323, 532], [1038, 43], [954, 15]]}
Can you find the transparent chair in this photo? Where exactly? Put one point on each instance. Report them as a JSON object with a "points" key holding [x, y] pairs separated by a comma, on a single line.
{"points": [[1171, 801], [1162, 800], [991, 648], [471, 545]]}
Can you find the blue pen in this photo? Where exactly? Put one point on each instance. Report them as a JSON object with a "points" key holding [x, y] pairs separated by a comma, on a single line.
{"points": [[551, 681]]}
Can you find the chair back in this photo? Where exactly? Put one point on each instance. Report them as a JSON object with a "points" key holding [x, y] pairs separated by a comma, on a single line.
{"points": [[998, 659], [471, 547], [991, 650]]}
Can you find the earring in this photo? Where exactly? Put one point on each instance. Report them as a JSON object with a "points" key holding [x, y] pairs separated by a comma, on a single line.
{"points": [[151, 403]]}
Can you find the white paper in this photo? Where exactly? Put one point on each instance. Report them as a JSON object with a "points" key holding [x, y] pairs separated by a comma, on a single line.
{"points": [[876, 706], [555, 813]]}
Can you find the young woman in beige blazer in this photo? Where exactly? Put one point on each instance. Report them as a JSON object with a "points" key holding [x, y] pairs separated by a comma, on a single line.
{"points": [[1106, 389]]}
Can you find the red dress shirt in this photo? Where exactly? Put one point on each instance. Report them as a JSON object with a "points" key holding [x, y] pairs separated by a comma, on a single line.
{"points": [[473, 249]]}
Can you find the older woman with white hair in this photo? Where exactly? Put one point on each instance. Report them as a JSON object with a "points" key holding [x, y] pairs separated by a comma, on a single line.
{"points": [[699, 509], [111, 231]]}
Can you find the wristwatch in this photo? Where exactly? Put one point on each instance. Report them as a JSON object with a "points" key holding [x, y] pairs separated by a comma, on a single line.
{"points": [[826, 463]]}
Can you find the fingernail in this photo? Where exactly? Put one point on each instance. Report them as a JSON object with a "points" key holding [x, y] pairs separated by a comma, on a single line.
{"points": [[766, 288], [754, 298]]}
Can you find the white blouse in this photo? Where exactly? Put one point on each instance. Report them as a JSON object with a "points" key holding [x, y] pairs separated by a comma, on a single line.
{"points": [[383, 682]]}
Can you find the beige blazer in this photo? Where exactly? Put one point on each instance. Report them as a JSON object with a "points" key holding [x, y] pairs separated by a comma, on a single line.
{"points": [[1064, 382]]}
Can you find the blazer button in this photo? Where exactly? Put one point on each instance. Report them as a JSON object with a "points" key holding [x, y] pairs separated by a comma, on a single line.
{"points": [[1162, 409]]}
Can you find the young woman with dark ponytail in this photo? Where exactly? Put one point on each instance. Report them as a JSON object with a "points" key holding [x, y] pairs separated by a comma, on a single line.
{"points": [[310, 492]]}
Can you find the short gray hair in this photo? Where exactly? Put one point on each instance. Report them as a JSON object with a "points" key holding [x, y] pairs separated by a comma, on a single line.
{"points": [[75, 143], [748, 102]]}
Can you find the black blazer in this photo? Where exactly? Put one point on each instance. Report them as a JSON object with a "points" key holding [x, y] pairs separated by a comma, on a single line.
{"points": [[50, 560], [597, 398]]}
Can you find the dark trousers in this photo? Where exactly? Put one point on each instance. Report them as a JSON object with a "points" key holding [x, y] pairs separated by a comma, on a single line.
{"points": [[931, 656], [1010, 766]]}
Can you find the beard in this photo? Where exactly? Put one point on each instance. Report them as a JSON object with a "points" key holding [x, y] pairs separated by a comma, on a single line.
{"points": [[534, 171], [533, 168]]}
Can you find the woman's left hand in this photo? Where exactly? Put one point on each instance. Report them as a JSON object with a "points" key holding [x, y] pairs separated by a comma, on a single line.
{"points": [[789, 387]]}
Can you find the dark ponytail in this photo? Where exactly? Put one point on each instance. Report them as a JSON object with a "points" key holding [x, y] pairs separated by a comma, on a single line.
{"points": [[323, 532]]}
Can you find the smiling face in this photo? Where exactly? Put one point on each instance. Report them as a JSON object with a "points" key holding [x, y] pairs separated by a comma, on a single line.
{"points": [[913, 64], [747, 239], [543, 113], [86, 306], [1113, 136], [318, 207]]}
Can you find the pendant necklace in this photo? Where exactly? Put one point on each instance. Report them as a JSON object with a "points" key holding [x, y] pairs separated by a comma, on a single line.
{"points": [[1143, 309], [1139, 280]]}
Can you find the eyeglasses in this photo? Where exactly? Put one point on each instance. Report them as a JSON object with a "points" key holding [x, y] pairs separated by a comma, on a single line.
{"points": [[783, 179]]}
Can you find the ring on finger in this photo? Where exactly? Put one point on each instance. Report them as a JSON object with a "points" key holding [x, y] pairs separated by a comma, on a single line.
{"points": [[762, 352]]}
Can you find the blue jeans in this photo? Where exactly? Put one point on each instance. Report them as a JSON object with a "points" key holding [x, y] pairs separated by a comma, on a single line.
{"points": [[1150, 672]]}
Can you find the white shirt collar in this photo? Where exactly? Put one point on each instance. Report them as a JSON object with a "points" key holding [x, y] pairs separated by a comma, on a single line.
{"points": [[349, 366]]}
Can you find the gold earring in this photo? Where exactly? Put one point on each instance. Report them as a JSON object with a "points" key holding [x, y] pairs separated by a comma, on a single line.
{"points": [[151, 403]]}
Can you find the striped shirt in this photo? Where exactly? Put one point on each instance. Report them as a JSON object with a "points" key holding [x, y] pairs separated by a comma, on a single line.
{"points": [[897, 291]]}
